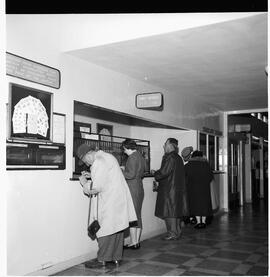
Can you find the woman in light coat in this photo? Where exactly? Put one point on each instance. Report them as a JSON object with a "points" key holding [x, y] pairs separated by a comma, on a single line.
{"points": [[115, 206]]}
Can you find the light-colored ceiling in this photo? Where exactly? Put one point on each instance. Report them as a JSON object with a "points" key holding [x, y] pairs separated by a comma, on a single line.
{"points": [[223, 63]]}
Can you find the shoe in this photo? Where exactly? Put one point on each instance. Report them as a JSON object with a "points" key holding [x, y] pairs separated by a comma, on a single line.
{"points": [[193, 221], [133, 247], [95, 264], [117, 263], [170, 237], [200, 226]]}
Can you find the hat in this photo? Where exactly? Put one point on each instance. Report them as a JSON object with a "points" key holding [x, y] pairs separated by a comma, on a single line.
{"points": [[186, 153], [83, 149]]}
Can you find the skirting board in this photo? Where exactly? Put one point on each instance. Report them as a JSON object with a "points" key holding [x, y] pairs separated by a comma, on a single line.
{"points": [[81, 259]]}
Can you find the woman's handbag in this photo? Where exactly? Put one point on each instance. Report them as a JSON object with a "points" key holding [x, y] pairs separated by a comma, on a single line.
{"points": [[93, 228]]}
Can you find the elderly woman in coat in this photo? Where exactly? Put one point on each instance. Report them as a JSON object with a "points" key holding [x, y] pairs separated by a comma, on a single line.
{"points": [[133, 172], [171, 204], [115, 206], [199, 176]]}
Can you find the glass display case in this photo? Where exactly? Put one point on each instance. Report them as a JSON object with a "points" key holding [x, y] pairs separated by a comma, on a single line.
{"points": [[35, 156]]}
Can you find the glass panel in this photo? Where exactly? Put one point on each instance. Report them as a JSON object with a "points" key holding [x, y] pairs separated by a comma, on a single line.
{"points": [[217, 153], [211, 151], [19, 156], [203, 143]]}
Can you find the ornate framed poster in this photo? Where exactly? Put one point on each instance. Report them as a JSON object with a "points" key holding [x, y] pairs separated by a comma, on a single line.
{"points": [[30, 114]]}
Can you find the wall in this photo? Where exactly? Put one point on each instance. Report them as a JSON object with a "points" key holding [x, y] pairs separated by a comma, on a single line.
{"points": [[46, 212]]}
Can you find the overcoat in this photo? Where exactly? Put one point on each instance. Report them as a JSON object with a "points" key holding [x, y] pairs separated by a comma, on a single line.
{"points": [[134, 171], [115, 206], [171, 196], [198, 178]]}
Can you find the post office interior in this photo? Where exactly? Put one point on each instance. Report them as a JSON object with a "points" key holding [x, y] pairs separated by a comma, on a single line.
{"points": [[211, 71]]}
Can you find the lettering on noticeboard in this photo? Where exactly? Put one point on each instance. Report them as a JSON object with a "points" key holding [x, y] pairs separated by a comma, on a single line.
{"points": [[23, 68]]}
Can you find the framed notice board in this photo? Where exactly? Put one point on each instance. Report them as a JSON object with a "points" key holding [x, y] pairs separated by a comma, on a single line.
{"points": [[30, 113]]}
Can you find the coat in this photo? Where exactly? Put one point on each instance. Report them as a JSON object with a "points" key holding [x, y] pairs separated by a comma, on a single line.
{"points": [[198, 178], [134, 171], [171, 197], [115, 206]]}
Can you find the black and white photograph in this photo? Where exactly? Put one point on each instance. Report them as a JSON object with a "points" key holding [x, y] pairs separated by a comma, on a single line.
{"points": [[134, 141]]}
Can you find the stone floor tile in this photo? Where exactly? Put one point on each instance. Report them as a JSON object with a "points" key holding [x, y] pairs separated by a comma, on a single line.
{"points": [[254, 258], [232, 255], [258, 271], [193, 262], [172, 259], [149, 270], [242, 269], [207, 271], [217, 265]]}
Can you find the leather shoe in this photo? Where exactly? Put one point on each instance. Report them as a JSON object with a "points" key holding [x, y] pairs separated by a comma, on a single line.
{"points": [[95, 264], [170, 237], [133, 247], [117, 262], [200, 226]]}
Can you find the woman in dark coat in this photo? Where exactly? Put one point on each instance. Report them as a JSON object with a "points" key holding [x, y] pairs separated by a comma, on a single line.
{"points": [[171, 198], [198, 178], [133, 172]]}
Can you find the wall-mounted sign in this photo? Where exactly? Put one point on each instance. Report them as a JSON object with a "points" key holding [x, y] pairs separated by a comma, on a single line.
{"points": [[35, 72], [152, 101], [211, 131]]}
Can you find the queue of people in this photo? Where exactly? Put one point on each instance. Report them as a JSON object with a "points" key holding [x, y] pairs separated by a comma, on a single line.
{"points": [[183, 190]]}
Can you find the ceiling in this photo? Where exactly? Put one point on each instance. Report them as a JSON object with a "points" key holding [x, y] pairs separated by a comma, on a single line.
{"points": [[223, 64]]}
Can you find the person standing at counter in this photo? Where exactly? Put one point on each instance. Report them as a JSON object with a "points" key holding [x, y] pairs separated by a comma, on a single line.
{"points": [[133, 172], [199, 176], [171, 204], [115, 206]]}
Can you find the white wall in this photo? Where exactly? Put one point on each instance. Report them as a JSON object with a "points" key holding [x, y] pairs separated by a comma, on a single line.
{"points": [[46, 212]]}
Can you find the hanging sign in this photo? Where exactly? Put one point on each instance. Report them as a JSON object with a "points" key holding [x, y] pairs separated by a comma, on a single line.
{"points": [[35, 72], [152, 101]]}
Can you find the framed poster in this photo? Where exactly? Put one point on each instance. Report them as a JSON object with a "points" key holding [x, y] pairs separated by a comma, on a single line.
{"points": [[30, 113], [105, 131]]}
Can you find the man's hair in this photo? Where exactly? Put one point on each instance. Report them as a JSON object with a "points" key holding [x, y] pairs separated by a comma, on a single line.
{"points": [[174, 143], [129, 144]]}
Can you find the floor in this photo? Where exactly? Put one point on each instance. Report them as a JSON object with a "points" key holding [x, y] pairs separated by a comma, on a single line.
{"points": [[236, 243]]}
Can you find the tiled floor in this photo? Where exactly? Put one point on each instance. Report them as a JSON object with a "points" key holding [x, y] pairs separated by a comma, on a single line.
{"points": [[234, 244]]}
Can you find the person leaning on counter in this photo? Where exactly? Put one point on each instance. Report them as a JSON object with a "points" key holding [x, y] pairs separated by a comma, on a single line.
{"points": [[115, 206]]}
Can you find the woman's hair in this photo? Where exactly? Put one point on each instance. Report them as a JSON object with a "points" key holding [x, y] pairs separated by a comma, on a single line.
{"points": [[197, 153], [174, 143], [129, 144]]}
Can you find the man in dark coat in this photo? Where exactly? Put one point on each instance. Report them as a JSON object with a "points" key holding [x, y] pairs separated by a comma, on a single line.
{"points": [[171, 202]]}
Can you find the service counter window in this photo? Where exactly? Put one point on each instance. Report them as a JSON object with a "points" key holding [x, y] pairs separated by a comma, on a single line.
{"points": [[108, 143]]}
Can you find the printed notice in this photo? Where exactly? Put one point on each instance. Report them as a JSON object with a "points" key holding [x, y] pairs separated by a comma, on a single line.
{"points": [[32, 71], [59, 130]]}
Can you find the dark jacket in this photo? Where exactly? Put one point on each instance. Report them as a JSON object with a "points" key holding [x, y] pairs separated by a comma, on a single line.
{"points": [[171, 197], [198, 178]]}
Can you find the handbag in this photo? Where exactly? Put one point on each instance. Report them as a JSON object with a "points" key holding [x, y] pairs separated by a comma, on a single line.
{"points": [[93, 228]]}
